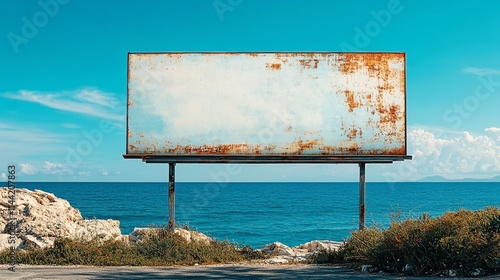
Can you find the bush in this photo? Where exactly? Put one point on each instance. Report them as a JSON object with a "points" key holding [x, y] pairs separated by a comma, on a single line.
{"points": [[462, 241]]}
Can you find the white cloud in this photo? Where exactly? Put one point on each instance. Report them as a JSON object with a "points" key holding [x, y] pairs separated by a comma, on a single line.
{"points": [[493, 129], [87, 102], [56, 168], [458, 156], [481, 71], [105, 173], [28, 169], [493, 132], [84, 173], [97, 97], [4, 176]]}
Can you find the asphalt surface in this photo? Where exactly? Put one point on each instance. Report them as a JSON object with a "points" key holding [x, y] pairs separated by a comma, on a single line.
{"points": [[197, 272]]}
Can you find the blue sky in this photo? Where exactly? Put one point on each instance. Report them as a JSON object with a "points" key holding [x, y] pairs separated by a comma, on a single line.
{"points": [[64, 62]]}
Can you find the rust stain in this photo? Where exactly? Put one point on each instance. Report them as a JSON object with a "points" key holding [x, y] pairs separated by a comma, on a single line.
{"points": [[327, 150], [350, 100], [352, 134], [309, 63], [130, 103], [298, 147], [376, 64], [389, 115], [348, 62], [398, 151], [269, 148], [354, 148], [273, 66], [222, 149]]}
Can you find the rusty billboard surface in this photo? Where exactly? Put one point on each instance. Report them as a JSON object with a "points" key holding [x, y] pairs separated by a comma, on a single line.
{"points": [[266, 107]]}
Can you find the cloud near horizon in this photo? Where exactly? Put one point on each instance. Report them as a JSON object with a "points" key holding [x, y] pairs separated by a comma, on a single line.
{"points": [[456, 156], [89, 102], [55, 168], [28, 169], [481, 71]]}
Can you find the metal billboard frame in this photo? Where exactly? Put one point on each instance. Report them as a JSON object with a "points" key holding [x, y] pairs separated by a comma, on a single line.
{"points": [[361, 160]]}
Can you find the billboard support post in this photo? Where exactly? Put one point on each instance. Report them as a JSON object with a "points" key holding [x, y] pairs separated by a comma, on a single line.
{"points": [[171, 197], [362, 192]]}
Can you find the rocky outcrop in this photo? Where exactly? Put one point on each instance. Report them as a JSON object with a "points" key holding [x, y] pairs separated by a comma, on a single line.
{"points": [[318, 245], [281, 253], [193, 236], [41, 217]]}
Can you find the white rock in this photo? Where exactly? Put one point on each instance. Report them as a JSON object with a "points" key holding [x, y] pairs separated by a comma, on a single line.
{"points": [[195, 236], [318, 245], [284, 254], [4, 241], [42, 217], [31, 242], [278, 249]]}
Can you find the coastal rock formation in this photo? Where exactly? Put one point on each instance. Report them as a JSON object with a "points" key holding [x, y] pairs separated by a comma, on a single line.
{"points": [[278, 249], [318, 245], [281, 253], [41, 217], [195, 236]]}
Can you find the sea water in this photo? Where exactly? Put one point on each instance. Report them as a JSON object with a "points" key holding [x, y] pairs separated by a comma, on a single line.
{"points": [[258, 213]]}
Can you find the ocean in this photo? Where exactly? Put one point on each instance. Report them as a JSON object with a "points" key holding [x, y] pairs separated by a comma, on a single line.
{"points": [[259, 213]]}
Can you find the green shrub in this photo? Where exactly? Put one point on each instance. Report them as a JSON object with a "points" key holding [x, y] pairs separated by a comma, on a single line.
{"points": [[462, 241], [324, 257]]}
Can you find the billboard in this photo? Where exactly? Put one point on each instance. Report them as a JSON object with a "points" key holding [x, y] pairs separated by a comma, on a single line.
{"points": [[266, 107]]}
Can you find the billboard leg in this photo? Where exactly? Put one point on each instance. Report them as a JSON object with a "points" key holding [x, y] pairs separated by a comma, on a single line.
{"points": [[171, 197], [362, 192]]}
